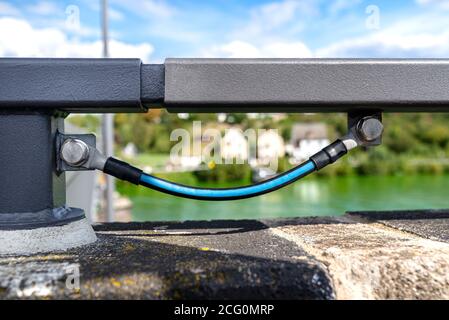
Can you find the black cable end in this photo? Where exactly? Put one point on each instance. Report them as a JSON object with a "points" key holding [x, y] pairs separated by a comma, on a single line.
{"points": [[329, 154], [122, 170]]}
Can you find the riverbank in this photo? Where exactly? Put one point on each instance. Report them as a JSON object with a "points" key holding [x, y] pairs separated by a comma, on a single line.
{"points": [[400, 255]]}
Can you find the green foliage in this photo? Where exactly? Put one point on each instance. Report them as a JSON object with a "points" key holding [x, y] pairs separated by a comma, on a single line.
{"points": [[438, 135], [399, 140], [89, 122], [343, 167], [412, 143], [145, 133], [225, 173]]}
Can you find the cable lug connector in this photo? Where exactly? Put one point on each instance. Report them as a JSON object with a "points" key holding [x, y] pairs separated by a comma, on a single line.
{"points": [[329, 154], [78, 152]]}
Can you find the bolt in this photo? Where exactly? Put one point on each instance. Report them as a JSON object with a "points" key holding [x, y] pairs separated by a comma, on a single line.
{"points": [[74, 152], [370, 129]]}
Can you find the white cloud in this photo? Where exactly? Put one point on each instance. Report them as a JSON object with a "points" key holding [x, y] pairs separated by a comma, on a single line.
{"points": [[115, 14], [241, 49], [287, 50], [443, 4], [234, 49], [272, 17], [275, 14], [285, 22], [151, 9], [44, 8], [413, 37], [422, 45], [158, 8], [274, 30], [340, 5], [7, 9], [27, 41]]}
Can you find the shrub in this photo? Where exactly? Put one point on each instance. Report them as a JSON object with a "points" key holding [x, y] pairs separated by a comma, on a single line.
{"points": [[225, 173]]}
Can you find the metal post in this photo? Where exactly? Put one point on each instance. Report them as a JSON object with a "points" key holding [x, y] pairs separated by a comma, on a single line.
{"points": [[33, 214], [108, 125], [27, 175], [104, 28]]}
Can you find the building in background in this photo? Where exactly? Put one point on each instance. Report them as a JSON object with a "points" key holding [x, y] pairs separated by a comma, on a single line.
{"points": [[234, 145], [307, 139], [270, 145], [130, 150]]}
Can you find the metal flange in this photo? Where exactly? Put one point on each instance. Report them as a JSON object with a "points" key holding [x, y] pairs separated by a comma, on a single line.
{"points": [[78, 152]]}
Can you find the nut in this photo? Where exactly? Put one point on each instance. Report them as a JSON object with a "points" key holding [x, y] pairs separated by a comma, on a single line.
{"points": [[74, 152], [370, 129]]}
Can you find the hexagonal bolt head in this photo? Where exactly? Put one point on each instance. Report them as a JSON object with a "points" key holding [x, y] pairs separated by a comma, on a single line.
{"points": [[74, 152], [369, 129]]}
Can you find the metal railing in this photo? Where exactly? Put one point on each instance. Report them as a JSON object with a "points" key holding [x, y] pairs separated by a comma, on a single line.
{"points": [[35, 94]]}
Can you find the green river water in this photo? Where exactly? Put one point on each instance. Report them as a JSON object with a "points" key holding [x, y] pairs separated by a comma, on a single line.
{"points": [[308, 197]]}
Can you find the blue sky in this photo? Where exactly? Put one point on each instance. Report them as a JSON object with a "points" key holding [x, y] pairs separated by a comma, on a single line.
{"points": [[155, 29]]}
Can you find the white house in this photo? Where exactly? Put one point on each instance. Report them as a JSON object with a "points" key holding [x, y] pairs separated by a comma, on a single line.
{"points": [[234, 145], [270, 145], [130, 150], [306, 140]]}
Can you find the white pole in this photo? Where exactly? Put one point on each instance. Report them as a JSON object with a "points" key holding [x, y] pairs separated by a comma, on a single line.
{"points": [[108, 125]]}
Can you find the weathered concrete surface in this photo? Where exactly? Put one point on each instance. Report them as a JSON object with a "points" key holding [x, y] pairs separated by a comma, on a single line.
{"points": [[305, 258], [430, 224], [192, 260], [374, 261], [73, 234]]}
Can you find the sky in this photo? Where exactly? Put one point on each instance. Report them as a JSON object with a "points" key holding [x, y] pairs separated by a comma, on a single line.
{"points": [[156, 29]]}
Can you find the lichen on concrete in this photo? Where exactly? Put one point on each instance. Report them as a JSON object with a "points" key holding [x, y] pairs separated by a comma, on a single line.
{"points": [[300, 258], [197, 260]]}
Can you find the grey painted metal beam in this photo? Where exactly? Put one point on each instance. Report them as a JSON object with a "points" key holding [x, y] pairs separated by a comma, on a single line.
{"points": [[72, 85], [224, 85], [306, 85]]}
